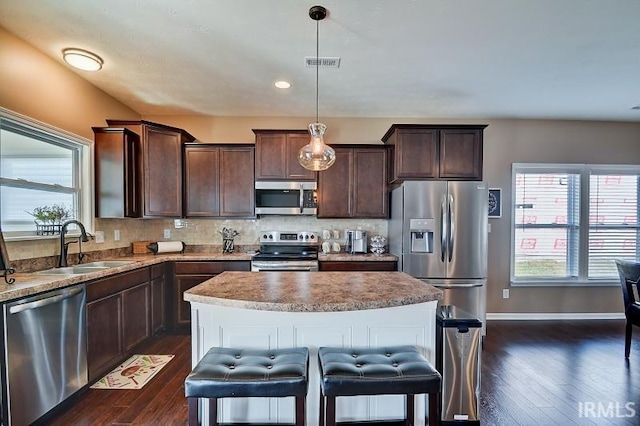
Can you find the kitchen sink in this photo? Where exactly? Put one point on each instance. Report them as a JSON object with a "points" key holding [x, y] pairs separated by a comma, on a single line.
{"points": [[107, 263], [72, 270], [86, 268]]}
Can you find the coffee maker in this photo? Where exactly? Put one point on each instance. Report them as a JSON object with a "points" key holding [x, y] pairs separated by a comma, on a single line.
{"points": [[356, 241]]}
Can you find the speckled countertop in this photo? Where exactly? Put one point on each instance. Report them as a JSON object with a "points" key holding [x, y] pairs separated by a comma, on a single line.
{"points": [[346, 257], [312, 291], [27, 284]]}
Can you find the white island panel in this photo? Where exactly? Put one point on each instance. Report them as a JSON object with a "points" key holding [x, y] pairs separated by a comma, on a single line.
{"points": [[214, 325]]}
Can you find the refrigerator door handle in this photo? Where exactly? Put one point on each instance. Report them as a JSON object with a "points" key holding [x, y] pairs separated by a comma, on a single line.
{"points": [[443, 230], [451, 229]]}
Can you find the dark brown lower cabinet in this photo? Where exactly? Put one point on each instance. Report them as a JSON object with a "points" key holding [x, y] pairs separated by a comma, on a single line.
{"points": [[190, 274], [383, 265], [104, 335], [136, 315], [118, 318], [158, 299]]}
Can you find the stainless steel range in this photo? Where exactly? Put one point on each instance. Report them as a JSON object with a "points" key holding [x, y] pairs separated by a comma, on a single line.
{"points": [[287, 251]]}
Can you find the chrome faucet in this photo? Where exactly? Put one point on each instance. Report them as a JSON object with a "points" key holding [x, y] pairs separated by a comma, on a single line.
{"points": [[64, 247]]}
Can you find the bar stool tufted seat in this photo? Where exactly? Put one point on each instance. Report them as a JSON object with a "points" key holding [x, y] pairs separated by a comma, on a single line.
{"points": [[229, 372], [389, 370]]}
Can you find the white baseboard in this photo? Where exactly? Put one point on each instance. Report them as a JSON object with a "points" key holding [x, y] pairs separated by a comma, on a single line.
{"points": [[499, 316]]}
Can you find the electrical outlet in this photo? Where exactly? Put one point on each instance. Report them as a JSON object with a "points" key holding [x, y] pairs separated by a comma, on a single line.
{"points": [[116, 235], [505, 293], [99, 237], [167, 233]]}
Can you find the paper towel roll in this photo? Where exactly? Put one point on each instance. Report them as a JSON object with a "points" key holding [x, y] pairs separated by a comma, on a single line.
{"points": [[166, 247]]}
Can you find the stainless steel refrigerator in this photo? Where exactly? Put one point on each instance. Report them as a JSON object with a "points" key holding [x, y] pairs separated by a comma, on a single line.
{"points": [[438, 230]]}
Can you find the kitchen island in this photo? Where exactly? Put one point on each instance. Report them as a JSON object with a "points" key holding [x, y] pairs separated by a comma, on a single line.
{"points": [[313, 309]]}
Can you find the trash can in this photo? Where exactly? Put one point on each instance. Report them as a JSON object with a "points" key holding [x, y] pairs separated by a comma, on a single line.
{"points": [[458, 341]]}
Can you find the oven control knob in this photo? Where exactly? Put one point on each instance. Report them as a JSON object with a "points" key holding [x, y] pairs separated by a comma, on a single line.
{"points": [[300, 237], [312, 236]]}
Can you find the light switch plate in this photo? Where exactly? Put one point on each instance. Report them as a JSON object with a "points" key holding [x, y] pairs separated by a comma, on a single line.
{"points": [[116, 235], [167, 233]]}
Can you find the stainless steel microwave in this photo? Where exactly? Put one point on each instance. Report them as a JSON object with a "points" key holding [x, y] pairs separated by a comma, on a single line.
{"points": [[286, 198]]}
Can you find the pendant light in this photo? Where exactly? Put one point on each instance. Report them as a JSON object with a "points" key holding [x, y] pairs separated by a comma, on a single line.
{"points": [[316, 155]]}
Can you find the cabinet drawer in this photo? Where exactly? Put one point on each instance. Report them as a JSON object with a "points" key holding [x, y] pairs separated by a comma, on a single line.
{"points": [[107, 286], [188, 268]]}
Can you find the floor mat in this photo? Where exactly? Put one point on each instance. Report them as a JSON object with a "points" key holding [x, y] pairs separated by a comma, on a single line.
{"points": [[134, 373]]}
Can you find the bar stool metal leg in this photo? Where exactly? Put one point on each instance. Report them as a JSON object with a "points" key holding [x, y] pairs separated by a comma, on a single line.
{"points": [[193, 411], [410, 410]]}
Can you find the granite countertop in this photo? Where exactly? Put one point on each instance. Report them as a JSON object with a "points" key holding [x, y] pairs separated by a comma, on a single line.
{"points": [[347, 257], [30, 283], [312, 291]]}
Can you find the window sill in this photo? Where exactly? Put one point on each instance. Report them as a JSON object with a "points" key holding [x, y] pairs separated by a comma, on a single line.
{"points": [[30, 236], [611, 282]]}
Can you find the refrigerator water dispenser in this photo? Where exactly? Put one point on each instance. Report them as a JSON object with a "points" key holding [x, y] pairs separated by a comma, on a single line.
{"points": [[422, 235]]}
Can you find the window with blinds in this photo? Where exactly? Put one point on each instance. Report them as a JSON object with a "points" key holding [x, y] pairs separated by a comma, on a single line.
{"points": [[570, 222], [39, 166]]}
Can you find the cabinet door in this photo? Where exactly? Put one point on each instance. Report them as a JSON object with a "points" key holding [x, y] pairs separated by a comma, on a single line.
{"points": [[416, 154], [202, 181], [237, 190], [295, 171], [136, 315], [271, 154], [277, 155], [182, 313], [334, 186], [461, 154], [162, 172], [104, 338], [117, 164], [158, 298], [370, 198]]}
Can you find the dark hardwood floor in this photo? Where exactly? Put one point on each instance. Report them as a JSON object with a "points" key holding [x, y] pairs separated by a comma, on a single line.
{"points": [[533, 373]]}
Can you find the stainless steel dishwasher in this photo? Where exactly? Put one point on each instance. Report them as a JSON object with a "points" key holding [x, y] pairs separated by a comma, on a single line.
{"points": [[45, 352]]}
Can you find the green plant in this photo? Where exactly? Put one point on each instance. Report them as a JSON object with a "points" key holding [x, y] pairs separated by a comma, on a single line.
{"points": [[54, 214]]}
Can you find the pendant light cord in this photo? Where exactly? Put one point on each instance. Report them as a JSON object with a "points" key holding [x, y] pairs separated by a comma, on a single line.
{"points": [[317, 68]]}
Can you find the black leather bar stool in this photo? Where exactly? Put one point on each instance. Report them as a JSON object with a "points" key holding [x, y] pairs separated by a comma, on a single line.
{"points": [[233, 373], [393, 370]]}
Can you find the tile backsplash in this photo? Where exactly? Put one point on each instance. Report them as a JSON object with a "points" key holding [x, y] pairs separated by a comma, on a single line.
{"points": [[192, 232]]}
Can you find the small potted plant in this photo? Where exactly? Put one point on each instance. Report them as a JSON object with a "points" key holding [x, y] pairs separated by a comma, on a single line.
{"points": [[49, 219]]}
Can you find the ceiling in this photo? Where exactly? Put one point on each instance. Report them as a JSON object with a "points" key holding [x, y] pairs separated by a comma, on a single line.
{"points": [[568, 59]]}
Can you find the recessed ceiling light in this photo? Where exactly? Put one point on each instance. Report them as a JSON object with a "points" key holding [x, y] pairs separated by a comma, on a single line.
{"points": [[282, 84], [82, 59]]}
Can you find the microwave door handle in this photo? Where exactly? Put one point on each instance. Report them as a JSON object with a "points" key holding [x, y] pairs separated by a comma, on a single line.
{"points": [[301, 198]]}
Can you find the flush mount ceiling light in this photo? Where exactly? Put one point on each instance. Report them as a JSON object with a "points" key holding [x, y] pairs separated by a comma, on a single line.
{"points": [[82, 59], [316, 155], [282, 84]]}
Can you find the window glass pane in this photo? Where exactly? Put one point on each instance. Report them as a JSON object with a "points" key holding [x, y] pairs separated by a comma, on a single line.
{"points": [[33, 160], [546, 225], [613, 222], [39, 167]]}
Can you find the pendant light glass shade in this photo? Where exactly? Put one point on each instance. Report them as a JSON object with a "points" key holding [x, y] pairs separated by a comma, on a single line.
{"points": [[316, 155]]}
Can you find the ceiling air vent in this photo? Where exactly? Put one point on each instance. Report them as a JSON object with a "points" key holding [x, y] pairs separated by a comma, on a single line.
{"points": [[323, 62]]}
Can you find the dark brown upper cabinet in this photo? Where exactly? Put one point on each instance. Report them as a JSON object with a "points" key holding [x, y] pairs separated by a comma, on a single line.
{"points": [[277, 155], [117, 170], [420, 151], [355, 186], [161, 148], [219, 180]]}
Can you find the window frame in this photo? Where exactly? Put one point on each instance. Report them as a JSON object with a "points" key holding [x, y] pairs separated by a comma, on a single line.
{"points": [[585, 171], [83, 179]]}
